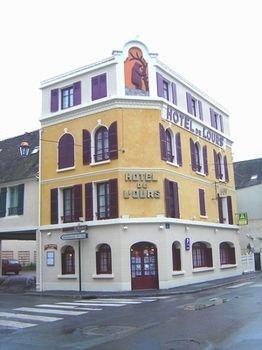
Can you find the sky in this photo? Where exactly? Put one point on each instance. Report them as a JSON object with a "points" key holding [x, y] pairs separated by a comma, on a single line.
{"points": [[215, 44]]}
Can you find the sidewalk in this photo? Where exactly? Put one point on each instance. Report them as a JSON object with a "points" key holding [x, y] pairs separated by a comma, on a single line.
{"points": [[192, 288]]}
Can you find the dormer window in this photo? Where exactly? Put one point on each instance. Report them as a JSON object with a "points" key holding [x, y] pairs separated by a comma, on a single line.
{"points": [[24, 149]]}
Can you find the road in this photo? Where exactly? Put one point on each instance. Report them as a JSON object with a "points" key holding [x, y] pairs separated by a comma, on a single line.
{"points": [[223, 318]]}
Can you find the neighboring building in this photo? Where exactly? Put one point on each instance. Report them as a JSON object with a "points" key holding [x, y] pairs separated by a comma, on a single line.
{"points": [[143, 158], [248, 179], [19, 203]]}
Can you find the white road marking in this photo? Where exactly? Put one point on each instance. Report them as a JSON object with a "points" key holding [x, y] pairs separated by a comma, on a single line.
{"points": [[14, 324], [256, 285], [80, 308], [98, 304], [111, 301], [58, 306], [30, 317], [240, 285], [51, 311]]}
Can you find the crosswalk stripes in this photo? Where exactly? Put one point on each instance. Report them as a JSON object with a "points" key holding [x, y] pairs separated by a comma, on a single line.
{"points": [[25, 317]]}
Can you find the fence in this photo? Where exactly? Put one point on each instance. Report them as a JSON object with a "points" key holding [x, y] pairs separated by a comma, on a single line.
{"points": [[248, 263]]}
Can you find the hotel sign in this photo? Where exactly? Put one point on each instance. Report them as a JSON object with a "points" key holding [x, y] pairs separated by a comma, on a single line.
{"points": [[178, 118], [141, 180]]}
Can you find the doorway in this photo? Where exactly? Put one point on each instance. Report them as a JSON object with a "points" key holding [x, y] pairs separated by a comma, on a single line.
{"points": [[257, 261]]}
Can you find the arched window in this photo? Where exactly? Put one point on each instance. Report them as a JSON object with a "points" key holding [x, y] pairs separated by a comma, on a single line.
{"points": [[66, 152], [169, 146], [220, 166], [103, 259], [68, 260], [101, 144], [176, 254], [227, 253], [202, 255]]}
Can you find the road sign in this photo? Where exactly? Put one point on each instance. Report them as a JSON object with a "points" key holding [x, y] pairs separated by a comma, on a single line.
{"points": [[242, 219], [74, 236]]}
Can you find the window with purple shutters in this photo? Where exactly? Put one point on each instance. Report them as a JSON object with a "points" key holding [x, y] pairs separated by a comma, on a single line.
{"points": [[89, 201], [101, 144], [193, 155], [107, 199], [169, 147], [202, 206], [230, 210], [86, 147], [174, 93], [54, 100], [77, 93], [99, 87], [216, 165], [198, 158], [178, 149], [226, 169], [103, 260], [205, 160], [200, 110], [66, 150], [113, 142], [220, 209], [160, 87], [166, 90], [54, 206], [163, 146], [171, 199], [72, 204], [67, 97]]}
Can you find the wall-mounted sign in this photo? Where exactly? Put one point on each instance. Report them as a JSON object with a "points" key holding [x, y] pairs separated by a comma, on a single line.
{"points": [[178, 118], [242, 219], [187, 243], [141, 180], [50, 258], [222, 191], [50, 246], [74, 236]]}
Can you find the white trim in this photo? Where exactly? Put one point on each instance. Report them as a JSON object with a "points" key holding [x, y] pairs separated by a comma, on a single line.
{"points": [[68, 277], [173, 164], [65, 169], [199, 173], [203, 216], [18, 228], [101, 163], [103, 276], [227, 266], [178, 273], [203, 269]]}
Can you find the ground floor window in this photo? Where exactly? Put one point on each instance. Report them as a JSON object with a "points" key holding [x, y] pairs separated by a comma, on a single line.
{"points": [[68, 260], [227, 253], [202, 255], [176, 255], [103, 259]]}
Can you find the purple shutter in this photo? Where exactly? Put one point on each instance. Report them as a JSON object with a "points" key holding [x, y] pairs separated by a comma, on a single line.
{"points": [[160, 85], [54, 100], [66, 152], [77, 93], [54, 206], [217, 170], [113, 144], [205, 162], [221, 123], [200, 110], [220, 209], [99, 87], [86, 147], [230, 210], [89, 201], [20, 209], [102, 86], [226, 169], [176, 200], [3, 201], [174, 93], [113, 198], [163, 149], [167, 198], [202, 202], [193, 155], [209, 257], [178, 149], [78, 207], [189, 103], [212, 118]]}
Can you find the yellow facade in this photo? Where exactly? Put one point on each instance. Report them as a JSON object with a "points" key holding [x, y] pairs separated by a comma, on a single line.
{"points": [[139, 151]]}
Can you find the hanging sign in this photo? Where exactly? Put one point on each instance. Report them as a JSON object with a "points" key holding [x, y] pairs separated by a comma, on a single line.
{"points": [[242, 219]]}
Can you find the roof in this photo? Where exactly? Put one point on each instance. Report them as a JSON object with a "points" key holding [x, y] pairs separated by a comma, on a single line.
{"points": [[248, 173], [13, 166]]}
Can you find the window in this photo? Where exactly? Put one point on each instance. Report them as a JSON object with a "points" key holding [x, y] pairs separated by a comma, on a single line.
{"points": [[68, 260], [194, 106], [68, 201], [227, 253], [166, 90], [170, 146], [216, 120], [176, 254], [67, 97], [201, 255], [221, 168], [163, 88], [13, 200], [225, 210], [171, 199], [99, 87], [101, 144], [66, 157], [202, 206], [103, 260], [199, 161], [103, 207]]}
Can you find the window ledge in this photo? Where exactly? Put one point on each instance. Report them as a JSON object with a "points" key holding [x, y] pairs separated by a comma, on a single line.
{"points": [[69, 277], [201, 174], [203, 269], [100, 163], [203, 216], [228, 266], [178, 273], [65, 169], [103, 276], [221, 180], [173, 164]]}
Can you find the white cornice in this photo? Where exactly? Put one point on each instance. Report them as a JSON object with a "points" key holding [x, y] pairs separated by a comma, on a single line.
{"points": [[146, 220], [17, 228]]}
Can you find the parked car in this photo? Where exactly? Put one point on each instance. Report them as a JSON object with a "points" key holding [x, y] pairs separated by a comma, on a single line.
{"points": [[11, 265]]}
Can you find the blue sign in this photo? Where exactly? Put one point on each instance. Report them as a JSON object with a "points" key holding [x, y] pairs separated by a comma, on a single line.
{"points": [[187, 243]]}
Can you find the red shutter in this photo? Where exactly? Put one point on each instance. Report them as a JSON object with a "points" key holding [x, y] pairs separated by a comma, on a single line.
{"points": [[174, 93], [189, 103], [193, 156], [176, 200], [54, 206], [113, 144], [113, 198], [54, 100], [230, 210], [89, 201], [209, 257], [202, 206], [178, 149], [78, 207], [167, 198], [220, 209], [162, 142], [226, 169], [205, 160], [217, 171], [86, 147], [77, 93]]}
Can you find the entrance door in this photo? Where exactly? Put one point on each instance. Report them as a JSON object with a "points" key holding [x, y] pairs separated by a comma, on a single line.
{"points": [[257, 261], [144, 271]]}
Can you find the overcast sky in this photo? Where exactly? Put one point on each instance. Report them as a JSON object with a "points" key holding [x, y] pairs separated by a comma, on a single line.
{"points": [[215, 44]]}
